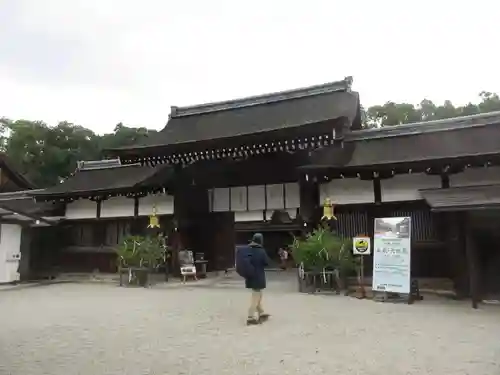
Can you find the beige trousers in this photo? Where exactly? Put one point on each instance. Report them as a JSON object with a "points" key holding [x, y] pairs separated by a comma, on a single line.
{"points": [[255, 304]]}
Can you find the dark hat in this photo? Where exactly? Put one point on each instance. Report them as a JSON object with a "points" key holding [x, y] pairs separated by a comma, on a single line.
{"points": [[258, 238]]}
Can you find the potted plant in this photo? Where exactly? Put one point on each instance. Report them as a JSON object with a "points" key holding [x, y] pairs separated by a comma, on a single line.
{"points": [[139, 255], [323, 256]]}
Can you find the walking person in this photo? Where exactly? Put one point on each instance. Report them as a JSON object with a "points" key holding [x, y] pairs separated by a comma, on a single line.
{"points": [[251, 261], [283, 253]]}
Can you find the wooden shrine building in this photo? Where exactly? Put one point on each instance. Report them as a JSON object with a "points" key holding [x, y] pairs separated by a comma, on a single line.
{"points": [[444, 174], [21, 223], [218, 171]]}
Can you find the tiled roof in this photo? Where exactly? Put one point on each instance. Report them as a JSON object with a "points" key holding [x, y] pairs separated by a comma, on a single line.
{"points": [[88, 182], [258, 114], [452, 138], [21, 202]]}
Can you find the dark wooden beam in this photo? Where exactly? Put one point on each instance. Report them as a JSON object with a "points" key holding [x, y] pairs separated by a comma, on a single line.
{"points": [[136, 206], [377, 190], [453, 229], [98, 209], [472, 262], [445, 181], [309, 201]]}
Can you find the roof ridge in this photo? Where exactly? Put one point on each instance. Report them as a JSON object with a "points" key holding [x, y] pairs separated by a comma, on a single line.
{"points": [[343, 85], [453, 123]]}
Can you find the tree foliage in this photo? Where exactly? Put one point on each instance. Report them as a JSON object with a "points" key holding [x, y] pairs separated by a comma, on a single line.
{"points": [[391, 113], [48, 154]]}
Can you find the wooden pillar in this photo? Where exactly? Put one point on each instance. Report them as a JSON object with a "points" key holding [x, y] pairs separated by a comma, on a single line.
{"points": [[26, 246], [135, 227], [98, 209], [453, 227], [471, 251], [99, 232], [191, 213], [377, 190], [309, 201], [223, 237]]}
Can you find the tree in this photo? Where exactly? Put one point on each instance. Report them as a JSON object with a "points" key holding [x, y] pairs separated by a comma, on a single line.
{"points": [[124, 136], [391, 113], [48, 154]]}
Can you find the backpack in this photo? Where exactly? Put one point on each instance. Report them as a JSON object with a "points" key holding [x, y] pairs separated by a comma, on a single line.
{"points": [[244, 266]]}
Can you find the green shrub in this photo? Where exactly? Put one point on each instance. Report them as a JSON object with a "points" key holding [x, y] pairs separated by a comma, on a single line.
{"points": [[139, 251], [324, 249]]}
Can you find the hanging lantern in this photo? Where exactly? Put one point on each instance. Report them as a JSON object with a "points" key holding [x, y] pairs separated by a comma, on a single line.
{"points": [[328, 210], [153, 219]]}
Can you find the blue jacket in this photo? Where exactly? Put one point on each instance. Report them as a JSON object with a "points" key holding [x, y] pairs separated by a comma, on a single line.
{"points": [[259, 261]]}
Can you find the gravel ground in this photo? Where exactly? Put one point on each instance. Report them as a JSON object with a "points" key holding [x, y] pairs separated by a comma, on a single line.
{"points": [[98, 329]]}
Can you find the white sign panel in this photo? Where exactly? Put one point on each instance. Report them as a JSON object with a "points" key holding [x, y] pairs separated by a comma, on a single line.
{"points": [[392, 255], [361, 245]]}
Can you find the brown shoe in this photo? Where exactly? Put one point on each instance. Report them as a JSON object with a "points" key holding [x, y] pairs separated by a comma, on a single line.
{"points": [[252, 322], [264, 317]]}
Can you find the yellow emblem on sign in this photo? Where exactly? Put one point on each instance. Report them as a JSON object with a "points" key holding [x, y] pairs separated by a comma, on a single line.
{"points": [[328, 210], [361, 245], [154, 222]]}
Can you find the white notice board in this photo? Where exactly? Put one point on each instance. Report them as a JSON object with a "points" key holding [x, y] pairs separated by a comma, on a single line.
{"points": [[392, 255]]}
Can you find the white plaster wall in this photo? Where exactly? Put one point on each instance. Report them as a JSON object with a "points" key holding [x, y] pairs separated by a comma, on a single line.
{"points": [[239, 198], [81, 209], [10, 246], [254, 198], [347, 191], [476, 176], [221, 200], [164, 204], [117, 207], [275, 197], [292, 195], [243, 216], [406, 187]]}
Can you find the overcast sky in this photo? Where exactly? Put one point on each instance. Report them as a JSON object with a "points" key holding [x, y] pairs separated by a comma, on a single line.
{"points": [[99, 62]]}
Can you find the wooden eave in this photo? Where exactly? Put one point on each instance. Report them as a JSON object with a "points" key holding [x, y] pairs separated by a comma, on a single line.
{"points": [[463, 198], [430, 166], [103, 183], [279, 140]]}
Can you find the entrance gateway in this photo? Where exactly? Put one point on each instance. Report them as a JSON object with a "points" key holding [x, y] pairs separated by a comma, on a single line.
{"points": [[218, 172]]}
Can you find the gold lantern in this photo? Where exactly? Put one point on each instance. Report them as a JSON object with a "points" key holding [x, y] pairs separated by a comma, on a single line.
{"points": [[154, 222], [328, 210]]}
